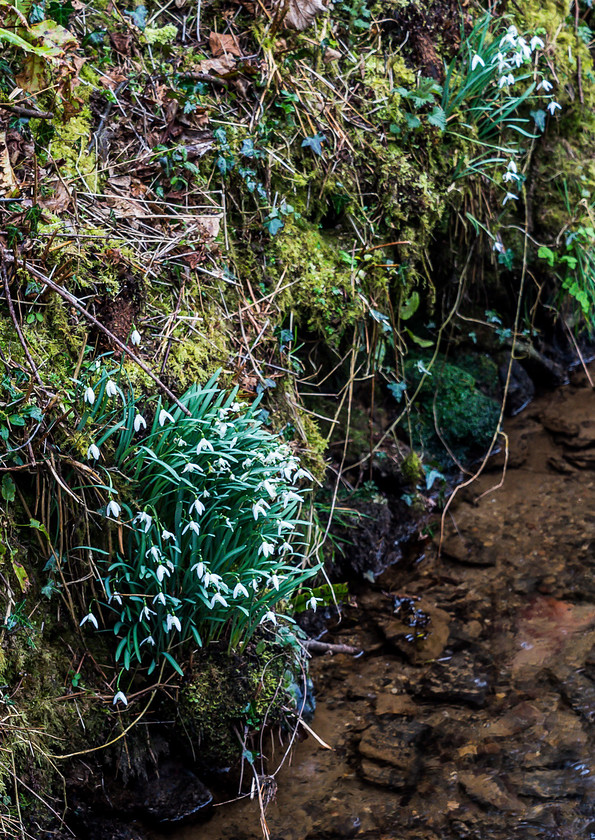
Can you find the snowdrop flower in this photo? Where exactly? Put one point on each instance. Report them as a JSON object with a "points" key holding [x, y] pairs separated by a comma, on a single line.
{"points": [[518, 58], [135, 338], [499, 247], [155, 553], [204, 444], [290, 496], [200, 569], [267, 549], [120, 697], [221, 464], [159, 597], [173, 621], [115, 597], [524, 47], [301, 474], [218, 599], [477, 60], [240, 589], [205, 494], [90, 617], [148, 641], [506, 80], [139, 423], [269, 487], [312, 603], [536, 43], [275, 581], [192, 468], [552, 107], [198, 506], [167, 535], [259, 507], [192, 526], [111, 389], [284, 548], [544, 85], [146, 612], [510, 176], [161, 572], [510, 197], [510, 37], [163, 416], [254, 584], [284, 526], [93, 452], [113, 509], [269, 616], [233, 442], [89, 395], [144, 519], [228, 523]]}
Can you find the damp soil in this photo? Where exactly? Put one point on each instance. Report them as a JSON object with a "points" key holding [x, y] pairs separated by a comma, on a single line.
{"points": [[471, 712]]}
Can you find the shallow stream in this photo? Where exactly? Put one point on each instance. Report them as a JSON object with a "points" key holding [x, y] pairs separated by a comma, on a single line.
{"points": [[471, 712]]}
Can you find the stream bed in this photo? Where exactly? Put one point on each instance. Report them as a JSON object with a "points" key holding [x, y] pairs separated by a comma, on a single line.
{"points": [[471, 712]]}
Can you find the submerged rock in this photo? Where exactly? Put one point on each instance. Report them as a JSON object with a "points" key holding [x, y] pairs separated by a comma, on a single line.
{"points": [[174, 796], [459, 679]]}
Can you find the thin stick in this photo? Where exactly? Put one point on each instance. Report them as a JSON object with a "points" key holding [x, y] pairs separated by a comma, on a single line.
{"points": [[15, 320]]}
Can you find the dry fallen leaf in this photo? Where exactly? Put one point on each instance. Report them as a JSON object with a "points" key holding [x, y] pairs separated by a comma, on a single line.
{"points": [[211, 225], [220, 66], [8, 183], [299, 14], [59, 198], [224, 44]]}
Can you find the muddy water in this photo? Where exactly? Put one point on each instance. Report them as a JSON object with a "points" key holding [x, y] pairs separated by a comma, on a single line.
{"points": [[471, 713]]}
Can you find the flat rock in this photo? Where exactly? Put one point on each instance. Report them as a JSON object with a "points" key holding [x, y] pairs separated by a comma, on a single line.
{"points": [[490, 792], [175, 797], [458, 680], [579, 692], [417, 644], [390, 752], [548, 784]]}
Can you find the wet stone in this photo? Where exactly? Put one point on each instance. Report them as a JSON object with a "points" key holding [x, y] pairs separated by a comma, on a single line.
{"points": [[548, 784], [390, 752], [490, 792], [459, 679], [579, 692], [175, 797]]}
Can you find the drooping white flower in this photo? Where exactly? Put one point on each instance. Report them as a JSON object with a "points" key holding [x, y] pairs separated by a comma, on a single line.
{"points": [[221, 464], [173, 621], [155, 553], [163, 416], [160, 597], [148, 641], [275, 581], [218, 599], [198, 506], [524, 47], [552, 106], [518, 58], [167, 535], [269, 487], [113, 509], [161, 572], [283, 525], [115, 597], [510, 176], [259, 508], [284, 548], [240, 589], [499, 247], [204, 444], [139, 423], [144, 519], [544, 85], [290, 496], [146, 612], [90, 617], [477, 60], [509, 197], [120, 697], [269, 616], [267, 549], [301, 473], [536, 43], [111, 389], [200, 569], [89, 395], [93, 452], [135, 338], [192, 526], [191, 468]]}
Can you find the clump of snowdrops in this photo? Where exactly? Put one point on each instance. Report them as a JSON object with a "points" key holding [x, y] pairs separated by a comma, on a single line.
{"points": [[213, 540]]}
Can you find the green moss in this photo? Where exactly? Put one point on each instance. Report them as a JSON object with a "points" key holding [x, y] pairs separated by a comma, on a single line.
{"points": [[69, 150]]}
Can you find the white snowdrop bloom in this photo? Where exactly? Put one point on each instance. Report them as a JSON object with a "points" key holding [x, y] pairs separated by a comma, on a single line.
{"points": [[93, 452], [290, 496], [205, 494], [192, 526], [237, 406], [552, 107], [518, 58], [284, 548], [173, 621], [248, 463], [510, 176], [506, 80], [218, 599], [254, 584], [206, 579], [282, 525], [512, 167], [269, 487], [135, 338], [301, 474], [192, 468], [312, 603], [144, 519], [113, 509], [90, 617], [221, 428], [499, 59], [160, 597], [510, 37], [120, 697], [89, 395], [139, 423], [115, 597], [267, 549], [510, 197], [536, 43], [161, 572], [111, 389], [233, 442], [524, 47], [146, 612], [477, 60], [167, 535], [163, 416], [499, 247], [544, 85], [199, 568], [259, 508], [155, 553], [275, 582], [228, 523], [240, 589], [148, 641], [269, 616], [221, 464], [198, 506], [205, 445]]}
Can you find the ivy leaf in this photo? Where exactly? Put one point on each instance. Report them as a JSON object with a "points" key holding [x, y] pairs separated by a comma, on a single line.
{"points": [[397, 389], [274, 225], [314, 143], [139, 17], [8, 489]]}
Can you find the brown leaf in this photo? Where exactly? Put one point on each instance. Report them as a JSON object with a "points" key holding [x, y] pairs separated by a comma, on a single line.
{"points": [[60, 197], [299, 14], [220, 66], [121, 42], [211, 225], [8, 183], [224, 44]]}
